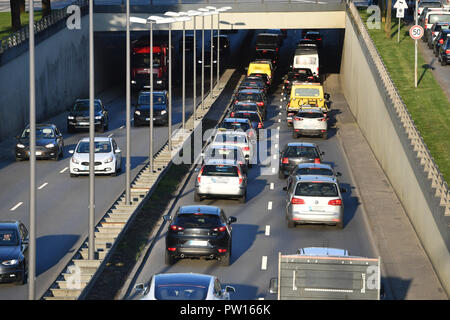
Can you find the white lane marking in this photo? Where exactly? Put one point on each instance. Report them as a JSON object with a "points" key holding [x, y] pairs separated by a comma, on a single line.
{"points": [[274, 170], [64, 170], [269, 205], [261, 298], [279, 113], [274, 156], [110, 135], [277, 136], [122, 127], [16, 206], [264, 263], [271, 186], [281, 107], [42, 186], [278, 128], [267, 230], [276, 145], [279, 120]]}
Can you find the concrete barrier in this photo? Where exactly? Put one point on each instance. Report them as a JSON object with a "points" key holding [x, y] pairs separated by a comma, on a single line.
{"points": [[396, 143]]}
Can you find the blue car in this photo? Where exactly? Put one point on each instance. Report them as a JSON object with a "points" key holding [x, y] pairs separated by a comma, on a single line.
{"points": [[160, 112]]}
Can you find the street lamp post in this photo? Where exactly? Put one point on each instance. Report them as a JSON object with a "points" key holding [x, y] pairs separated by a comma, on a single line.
{"points": [[128, 111], [211, 83], [205, 12], [223, 9], [194, 14]]}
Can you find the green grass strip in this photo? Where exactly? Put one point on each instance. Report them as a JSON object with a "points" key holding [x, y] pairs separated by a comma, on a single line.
{"points": [[5, 21]]}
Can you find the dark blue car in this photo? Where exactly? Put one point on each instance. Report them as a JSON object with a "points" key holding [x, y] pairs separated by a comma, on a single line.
{"points": [[160, 112]]}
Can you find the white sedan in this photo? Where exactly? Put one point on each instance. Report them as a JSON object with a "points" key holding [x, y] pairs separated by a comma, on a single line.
{"points": [[108, 158]]}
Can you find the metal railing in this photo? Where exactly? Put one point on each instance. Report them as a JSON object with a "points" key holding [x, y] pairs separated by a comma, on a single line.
{"points": [[23, 34], [422, 152]]}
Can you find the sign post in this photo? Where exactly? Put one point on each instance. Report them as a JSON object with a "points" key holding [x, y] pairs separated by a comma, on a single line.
{"points": [[416, 32], [401, 6]]}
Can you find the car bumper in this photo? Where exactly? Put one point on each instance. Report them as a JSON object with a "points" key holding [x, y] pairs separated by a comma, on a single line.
{"points": [[104, 168], [10, 274], [84, 124], [160, 119], [184, 251], [40, 154], [217, 191], [312, 217], [309, 132]]}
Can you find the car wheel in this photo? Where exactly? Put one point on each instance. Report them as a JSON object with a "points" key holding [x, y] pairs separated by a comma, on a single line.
{"points": [[443, 62], [324, 135], [23, 277], [225, 259], [290, 223], [281, 174], [169, 259], [197, 197]]}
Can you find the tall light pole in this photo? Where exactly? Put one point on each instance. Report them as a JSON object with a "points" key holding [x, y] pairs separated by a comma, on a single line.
{"points": [[91, 244], [223, 9], [211, 83], [205, 12], [194, 15], [128, 111], [32, 244]]}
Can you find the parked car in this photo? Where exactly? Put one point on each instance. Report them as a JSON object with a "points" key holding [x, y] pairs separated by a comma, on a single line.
{"points": [[316, 200], [199, 231], [49, 143], [310, 121], [295, 153], [107, 157], [183, 286], [142, 108], [311, 169], [14, 242], [78, 117], [444, 52], [221, 179], [225, 152], [439, 40]]}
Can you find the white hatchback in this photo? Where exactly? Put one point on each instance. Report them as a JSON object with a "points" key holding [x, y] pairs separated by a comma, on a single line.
{"points": [[236, 138], [108, 158], [311, 121]]}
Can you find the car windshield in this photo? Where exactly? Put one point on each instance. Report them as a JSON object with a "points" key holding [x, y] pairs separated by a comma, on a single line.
{"points": [[236, 125], [180, 292], [438, 17], [100, 147], [248, 96], [307, 92], [310, 115], [157, 99], [440, 27], [314, 171], [267, 39], [220, 170], [84, 106], [316, 189], [142, 60], [230, 138], [197, 220], [298, 151], [249, 115], [8, 238], [41, 133]]}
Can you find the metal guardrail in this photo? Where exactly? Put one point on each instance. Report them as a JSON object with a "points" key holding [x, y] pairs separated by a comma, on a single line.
{"points": [[23, 34], [423, 153]]}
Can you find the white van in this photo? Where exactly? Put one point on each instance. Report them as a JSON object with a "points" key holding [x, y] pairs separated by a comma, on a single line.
{"points": [[306, 59]]}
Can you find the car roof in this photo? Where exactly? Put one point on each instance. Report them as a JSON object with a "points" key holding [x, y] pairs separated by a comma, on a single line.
{"points": [[183, 278], [314, 165], [96, 139], [301, 144], [213, 162], [321, 251], [232, 133], [225, 146], [7, 224], [315, 178], [236, 119], [199, 209]]}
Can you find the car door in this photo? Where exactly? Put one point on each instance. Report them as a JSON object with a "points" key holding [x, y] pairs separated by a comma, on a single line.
{"points": [[24, 241], [118, 155], [59, 139]]}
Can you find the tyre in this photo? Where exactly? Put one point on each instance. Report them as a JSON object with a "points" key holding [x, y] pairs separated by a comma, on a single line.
{"points": [[243, 199], [281, 174], [197, 197], [290, 223], [324, 135], [443, 62], [169, 259]]}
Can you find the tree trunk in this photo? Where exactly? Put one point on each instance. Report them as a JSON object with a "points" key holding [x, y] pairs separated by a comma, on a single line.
{"points": [[15, 14], [46, 7], [22, 6], [387, 27], [382, 4]]}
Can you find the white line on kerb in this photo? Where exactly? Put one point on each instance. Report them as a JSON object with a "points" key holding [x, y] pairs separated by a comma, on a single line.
{"points": [[121, 127], [269, 205], [279, 120], [271, 186], [267, 230], [274, 156], [43, 185], [274, 170], [264, 263], [64, 170], [110, 135], [278, 128], [16, 206]]}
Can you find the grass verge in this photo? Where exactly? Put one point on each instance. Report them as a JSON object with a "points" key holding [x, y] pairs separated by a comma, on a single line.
{"points": [[5, 21], [132, 244], [427, 104]]}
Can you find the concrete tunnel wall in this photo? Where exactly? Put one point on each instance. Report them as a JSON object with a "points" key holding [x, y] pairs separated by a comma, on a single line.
{"points": [[375, 115]]}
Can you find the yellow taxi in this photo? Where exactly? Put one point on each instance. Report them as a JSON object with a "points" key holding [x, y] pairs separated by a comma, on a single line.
{"points": [[306, 94], [261, 66]]}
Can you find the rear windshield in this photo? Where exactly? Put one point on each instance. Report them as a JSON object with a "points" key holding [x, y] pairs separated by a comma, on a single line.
{"points": [[307, 92], [230, 138], [249, 115], [430, 4], [314, 171], [267, 39], [236, 125], [310, 115], [248, 96], [296, 151], [433, 18], [313, 36], [220, 170], [298, 76], [180, 292], [197, 220], [249, 107], [316, 189]]}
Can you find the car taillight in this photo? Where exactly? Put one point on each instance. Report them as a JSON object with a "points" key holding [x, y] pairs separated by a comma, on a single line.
{"points": [[176, 228], [298, 119], [200, 175], [222, 250], [220, 229], [171, 249], [447, 51], [246, 149], [260, 125], [240, 176], [335, 202], [285, 161], [232, 115], [297, 201], [317, 160], [441, 41], [260, 104], [286, 81]]}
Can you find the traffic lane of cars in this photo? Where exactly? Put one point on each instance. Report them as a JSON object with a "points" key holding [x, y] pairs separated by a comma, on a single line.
{"points": [[261, 231]]}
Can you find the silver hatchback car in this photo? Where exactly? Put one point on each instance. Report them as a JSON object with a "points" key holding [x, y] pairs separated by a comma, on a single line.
{"points": [[221, 178], [310, 121], [316, 200]]}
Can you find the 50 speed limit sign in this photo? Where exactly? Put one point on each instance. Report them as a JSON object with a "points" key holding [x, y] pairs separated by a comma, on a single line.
{"points": [[416, 32]]}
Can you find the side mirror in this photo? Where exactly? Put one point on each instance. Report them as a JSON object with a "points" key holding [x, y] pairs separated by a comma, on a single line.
{"points": [[273, 286], [71, 151], [167, 218], [140, 287], [230, 289], [343, 190], [231, 219]]}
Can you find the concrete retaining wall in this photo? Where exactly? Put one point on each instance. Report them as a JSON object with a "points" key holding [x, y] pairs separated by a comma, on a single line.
{"points": [[371, 102]]}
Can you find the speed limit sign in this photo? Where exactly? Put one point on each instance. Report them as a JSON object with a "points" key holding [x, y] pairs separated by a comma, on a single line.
{"points": [[416, 32]]}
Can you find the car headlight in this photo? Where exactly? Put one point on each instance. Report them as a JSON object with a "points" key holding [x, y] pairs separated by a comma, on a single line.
{"points": [[137, 112], [163, 112], [10, 262], [19, 145], [75, 160], [133, 82], [98, 117], [110, 159], [70, 117], [159, 81], [50, 145]]}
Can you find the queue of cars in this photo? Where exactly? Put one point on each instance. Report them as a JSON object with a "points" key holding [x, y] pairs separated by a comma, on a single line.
{"points": [[435, 19]]}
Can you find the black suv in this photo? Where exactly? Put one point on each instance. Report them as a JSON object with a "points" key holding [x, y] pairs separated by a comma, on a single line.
{"points": [[295, 153], [199, 231], [78, 117], [13, 252], [444, 52], [49, 143]]}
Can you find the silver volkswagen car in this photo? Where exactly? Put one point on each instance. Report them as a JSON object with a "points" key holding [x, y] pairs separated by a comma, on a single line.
{"points": [[183, 286], [316, 200]]}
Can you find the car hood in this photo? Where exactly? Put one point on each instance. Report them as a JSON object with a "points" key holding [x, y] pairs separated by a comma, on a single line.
{"points": [[97, 156], [9, 252], [146, 107], [39, 142]]}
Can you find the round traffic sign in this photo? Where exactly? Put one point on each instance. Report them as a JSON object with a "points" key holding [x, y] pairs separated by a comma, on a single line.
{"points": [[416, 32]]}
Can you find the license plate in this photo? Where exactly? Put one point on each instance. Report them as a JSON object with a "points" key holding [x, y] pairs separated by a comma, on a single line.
{"points": [[219, 180], [83, 123], [197, 243], [38, 153]]}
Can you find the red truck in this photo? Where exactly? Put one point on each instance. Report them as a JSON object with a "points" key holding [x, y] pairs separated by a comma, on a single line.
{"points": [[140, 63]]}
